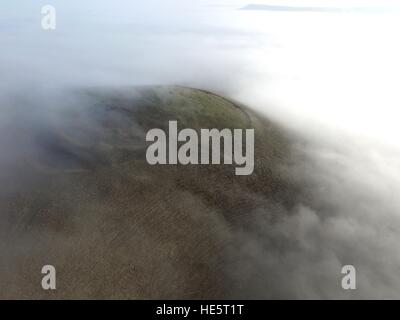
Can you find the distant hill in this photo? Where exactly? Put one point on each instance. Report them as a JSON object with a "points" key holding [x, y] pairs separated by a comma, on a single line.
{"points": [[317, 9]]}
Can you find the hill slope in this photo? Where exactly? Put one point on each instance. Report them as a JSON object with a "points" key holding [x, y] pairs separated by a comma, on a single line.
{"points": [[84, 199]]}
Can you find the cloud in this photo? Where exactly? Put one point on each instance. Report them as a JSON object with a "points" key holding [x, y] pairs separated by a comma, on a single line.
{"points": [[351, 217]]}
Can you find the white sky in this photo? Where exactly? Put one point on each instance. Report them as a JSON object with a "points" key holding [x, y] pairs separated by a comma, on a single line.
{"points": [[341, 70]]}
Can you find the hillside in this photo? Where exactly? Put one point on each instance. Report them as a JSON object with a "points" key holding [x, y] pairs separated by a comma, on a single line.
{"points": [[86, 201]]}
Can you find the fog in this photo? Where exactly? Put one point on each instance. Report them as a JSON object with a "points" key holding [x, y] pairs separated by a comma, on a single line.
{"points": [[330, 78]]}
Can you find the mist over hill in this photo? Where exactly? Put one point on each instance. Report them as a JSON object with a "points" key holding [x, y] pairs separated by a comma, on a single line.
{"points": [[320, 88]]}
